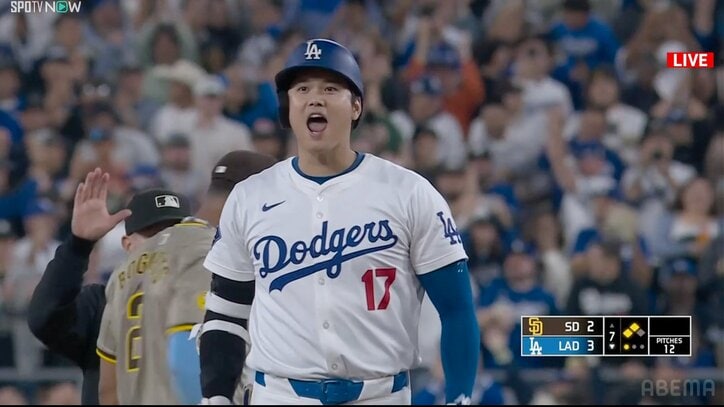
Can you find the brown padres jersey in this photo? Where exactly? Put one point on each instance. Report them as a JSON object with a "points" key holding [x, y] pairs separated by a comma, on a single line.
{"points": [[120, 337], [173, 288]]}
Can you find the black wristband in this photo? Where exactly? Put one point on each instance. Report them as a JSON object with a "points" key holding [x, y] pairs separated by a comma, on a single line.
{"points": [[80, 246]]}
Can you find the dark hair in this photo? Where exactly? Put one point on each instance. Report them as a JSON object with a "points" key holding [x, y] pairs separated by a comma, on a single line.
{"points": [[484, 49], [166, 29], [544, 38], [420, 130], [577, 5]]}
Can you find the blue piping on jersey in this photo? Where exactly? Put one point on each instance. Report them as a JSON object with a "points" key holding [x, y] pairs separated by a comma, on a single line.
{"points": [[321, 180]]}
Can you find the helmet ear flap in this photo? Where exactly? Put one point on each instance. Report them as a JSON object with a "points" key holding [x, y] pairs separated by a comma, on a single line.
{"points": [[283, 98]]}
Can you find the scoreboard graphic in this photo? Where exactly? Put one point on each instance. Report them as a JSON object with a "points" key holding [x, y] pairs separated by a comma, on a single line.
{"points": [[651, 335]]}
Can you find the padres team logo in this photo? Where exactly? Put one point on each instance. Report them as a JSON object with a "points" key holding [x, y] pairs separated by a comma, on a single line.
{"points": [[535, 326]]}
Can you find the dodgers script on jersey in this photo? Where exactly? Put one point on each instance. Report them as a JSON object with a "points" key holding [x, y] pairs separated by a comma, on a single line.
{"points": [[335, 265]]}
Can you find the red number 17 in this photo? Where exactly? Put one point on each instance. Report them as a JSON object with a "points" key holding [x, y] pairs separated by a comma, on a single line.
{"points": [[368, 279]]}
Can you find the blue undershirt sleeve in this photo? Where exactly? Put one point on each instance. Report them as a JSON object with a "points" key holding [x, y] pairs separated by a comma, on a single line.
{"points": [[183, 363], [450, 292]]}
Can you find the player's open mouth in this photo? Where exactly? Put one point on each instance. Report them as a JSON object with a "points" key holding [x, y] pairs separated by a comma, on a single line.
{"points": [[316, 123]]}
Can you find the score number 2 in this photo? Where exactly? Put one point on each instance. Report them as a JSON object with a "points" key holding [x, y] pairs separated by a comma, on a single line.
{"points": [[133, 309], [368, 278]]}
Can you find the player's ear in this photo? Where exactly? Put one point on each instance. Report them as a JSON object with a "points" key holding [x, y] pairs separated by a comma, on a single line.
{"points": [[126, 243], [356, 107]]}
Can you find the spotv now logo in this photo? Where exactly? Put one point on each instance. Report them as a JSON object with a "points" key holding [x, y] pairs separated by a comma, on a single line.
{"points": [[58, 6], [690, 59]]}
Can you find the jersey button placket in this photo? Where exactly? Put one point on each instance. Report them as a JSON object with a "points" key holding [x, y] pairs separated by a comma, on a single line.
{"points": [[325, 300]]}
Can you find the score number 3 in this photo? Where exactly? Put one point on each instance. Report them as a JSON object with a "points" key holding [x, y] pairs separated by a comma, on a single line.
{"points": [[368, 278]]}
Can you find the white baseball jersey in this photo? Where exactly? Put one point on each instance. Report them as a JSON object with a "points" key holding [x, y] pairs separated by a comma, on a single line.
{"points": [[336, 265]]}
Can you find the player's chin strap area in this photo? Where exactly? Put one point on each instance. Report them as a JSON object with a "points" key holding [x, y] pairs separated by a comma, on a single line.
{"points": [[462, 400]]}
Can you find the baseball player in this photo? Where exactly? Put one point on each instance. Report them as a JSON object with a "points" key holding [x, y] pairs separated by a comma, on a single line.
{"points": [[173, 289], [120, 339], [337, 249]]}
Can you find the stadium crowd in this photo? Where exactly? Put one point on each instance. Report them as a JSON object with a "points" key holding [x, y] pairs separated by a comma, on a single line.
{"points": [[585, 177]]}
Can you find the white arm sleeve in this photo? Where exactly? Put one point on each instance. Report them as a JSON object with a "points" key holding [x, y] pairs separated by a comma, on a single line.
{"points": [[435, 241], [229, 257]]}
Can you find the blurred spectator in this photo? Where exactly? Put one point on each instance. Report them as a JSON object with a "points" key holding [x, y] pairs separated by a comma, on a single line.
{"points": [[457, 186], [177, 171], [163, 45], [133, 106], [177, 113], [16, 200], [57, 81], [351, 26], [10, 86], [269, 139], [108, 35], [30, 256], [7, 242], [311, 16], [512, 137], [385, 91], [586, 43], [48, 161], [654, 181], [494, 58], [25, 36], [247, 99], [11, 396], [518, 290], [69, 37], [426, 109], [604, 289], [692, 226], [484, 242], [212, 134], [62, 394], [663, 28], [221, 29], [462, 87], [557, 277], [531, 70], [690, 135], [678, 280], [502, 198], [625, 125], [425, 155], [112, 146], [264, 19]]}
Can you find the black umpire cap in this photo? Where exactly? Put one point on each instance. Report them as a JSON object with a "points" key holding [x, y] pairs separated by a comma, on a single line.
{"points": [[237, 166], [154, 206]]}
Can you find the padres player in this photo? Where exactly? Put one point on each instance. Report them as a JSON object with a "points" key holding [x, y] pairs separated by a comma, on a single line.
{"points": [[337, 249], [173, 289], [120, 339]]}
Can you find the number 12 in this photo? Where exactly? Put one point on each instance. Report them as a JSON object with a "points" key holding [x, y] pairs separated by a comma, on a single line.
{"points": [[368, 279]]}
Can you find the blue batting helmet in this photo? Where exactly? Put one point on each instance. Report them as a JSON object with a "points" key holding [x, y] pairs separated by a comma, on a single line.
{"points": [[318, 54]]}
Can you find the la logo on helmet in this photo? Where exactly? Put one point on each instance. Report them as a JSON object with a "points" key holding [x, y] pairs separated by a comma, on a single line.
{"points": [[313, 51]]}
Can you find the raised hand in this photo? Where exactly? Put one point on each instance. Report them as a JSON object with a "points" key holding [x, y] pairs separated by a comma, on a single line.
{"points": [[91, 219]]}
